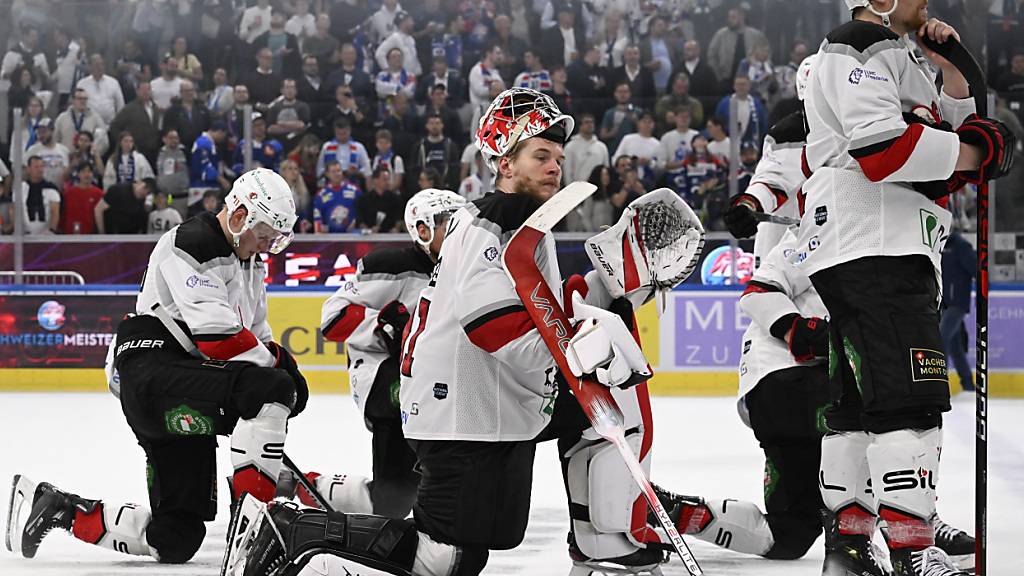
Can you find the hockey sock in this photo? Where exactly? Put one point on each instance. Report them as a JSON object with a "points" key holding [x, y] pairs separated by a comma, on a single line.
{"points": [[257, 448], [434, 558], [845, 482], [344, 492], [904, 471], [119, 528]]}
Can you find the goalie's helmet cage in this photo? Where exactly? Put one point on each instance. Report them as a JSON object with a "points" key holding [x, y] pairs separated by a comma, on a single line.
{"points": [[513, 116], [268, 199], [431, 207]]}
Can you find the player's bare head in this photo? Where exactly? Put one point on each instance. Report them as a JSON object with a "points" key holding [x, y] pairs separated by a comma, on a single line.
{"points": [[534, 168]]}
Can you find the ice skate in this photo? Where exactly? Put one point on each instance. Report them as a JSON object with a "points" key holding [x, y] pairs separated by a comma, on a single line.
{"points": [[956, 543], [850, 555], [643, 562], [931, 561], [49, 508]]}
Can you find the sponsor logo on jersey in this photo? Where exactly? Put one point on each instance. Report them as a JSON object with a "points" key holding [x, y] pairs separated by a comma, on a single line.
{"points": [[932, 233], [746, 346], [907, 479], [184, 421], [813, 243], [927, 365], [51, 315], [858, 74], [133, 344], [196, 280], [491, 253], [718, 265], [440, 390], [821, 215]]}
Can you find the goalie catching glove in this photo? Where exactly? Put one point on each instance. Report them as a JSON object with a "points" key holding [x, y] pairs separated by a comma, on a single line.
{"points": [[654, 246], [604, 347]]}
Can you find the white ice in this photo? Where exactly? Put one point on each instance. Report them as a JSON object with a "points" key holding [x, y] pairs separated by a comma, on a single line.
{"points": [[81, 443]]}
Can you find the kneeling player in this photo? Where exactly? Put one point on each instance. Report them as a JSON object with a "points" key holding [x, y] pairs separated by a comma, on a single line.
{"points": [[202, 295]]}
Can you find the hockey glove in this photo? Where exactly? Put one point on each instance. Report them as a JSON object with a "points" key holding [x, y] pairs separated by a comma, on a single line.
{"points": [[739, 218], [603, 346], [807, 337], [391, 321], [285, 361], [996, 143]]}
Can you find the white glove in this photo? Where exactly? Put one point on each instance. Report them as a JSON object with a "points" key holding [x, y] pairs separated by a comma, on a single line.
{"points": [[603, 346]]}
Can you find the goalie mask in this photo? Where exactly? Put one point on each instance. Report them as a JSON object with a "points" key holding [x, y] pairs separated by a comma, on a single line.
{"points": [[515, 115], [431, 207], [268, 201]]}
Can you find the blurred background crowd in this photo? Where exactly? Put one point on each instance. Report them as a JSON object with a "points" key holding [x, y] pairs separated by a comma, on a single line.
{"points": [[138, 113]]}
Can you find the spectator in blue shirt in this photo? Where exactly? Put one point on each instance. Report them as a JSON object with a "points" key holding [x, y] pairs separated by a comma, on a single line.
{"points": [[265, 153], [959, 267], [334, 208]]}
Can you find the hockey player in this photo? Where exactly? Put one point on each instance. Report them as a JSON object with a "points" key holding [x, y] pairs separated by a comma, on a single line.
{"points": [[202, 295], [369, 314], [869, 240]]}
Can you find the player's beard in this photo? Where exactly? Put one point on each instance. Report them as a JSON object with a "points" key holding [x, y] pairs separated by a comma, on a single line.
{"points": [[918, 16], [536, 189]]}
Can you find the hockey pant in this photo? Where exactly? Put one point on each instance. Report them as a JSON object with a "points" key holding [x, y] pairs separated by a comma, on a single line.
{"points": [[392, 490], [176, 406]]}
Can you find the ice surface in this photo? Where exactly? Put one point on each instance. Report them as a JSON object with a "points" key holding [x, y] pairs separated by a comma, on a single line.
{"points": [[81, 443]]}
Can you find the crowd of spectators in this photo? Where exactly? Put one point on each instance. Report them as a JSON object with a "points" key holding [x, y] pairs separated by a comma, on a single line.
{"points": [[133, 111]]}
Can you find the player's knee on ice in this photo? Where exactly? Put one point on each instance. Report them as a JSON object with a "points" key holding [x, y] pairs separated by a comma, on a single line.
{"points": [[176, 536], [257, 386]]}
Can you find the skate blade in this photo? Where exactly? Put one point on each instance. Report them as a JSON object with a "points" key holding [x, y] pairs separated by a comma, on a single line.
{"points": [[22, 490], [964, 562], [242, 530], [597, 568]]}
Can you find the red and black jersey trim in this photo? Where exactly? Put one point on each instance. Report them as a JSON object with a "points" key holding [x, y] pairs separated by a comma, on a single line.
{"points": [[497, 328], [882, 159], [344, 324], [226, 346], [755, 287]]}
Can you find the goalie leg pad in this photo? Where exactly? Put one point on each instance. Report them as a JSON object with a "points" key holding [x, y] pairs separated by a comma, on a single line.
{"points": [[257, 449], [845, 482], [904, 472]]}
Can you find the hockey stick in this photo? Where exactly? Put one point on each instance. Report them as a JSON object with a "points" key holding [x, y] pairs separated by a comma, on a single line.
{"points": [[959, 57], [301, 478], [553, 325], [773, 219]]}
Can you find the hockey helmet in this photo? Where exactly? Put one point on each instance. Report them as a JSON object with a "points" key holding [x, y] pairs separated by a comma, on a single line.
{"points": [[431, 207], [515, 115], [803, 76], [268, 200], [854, 4]]}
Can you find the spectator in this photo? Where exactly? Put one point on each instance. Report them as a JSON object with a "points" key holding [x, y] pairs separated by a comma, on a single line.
{"points": [[188, 115], [393, 80], [284, 48], [6, 202], [42, 200], [381, 209], [310, 86], [84, 152], [27, 56], [235, 118], [611, 42], [597, 211], [443, 75], [126, 164], [750, 153], [730, 45], [264, 82], [255, 21], [32, 116], [221, 98], [758, 67], [348, 18], [437, 152], [288, 116], [132, 67], [321, 45], [300, 194], [21, 95], [351, 75], [105, 95], [189, 66], [705, 174], [345, 107], [472, 162], [958, 273], [210, 202], [172, 171], [639, 79], [560, 91], [55, 156], [560, 44], [429, 178], [703, 83], [68, 50], [1012, 80], [664, 110], [632, 188], [787, 74], [676, 144], [81, 196], [535, 76], [658, 51], [512, 47], [472, 188], [481, 76], [719, 144], [448, 44], [168, 86], [334, 208], [439, 104], [349, 154], [753, 121], [302, 24], [265, 153], [123, 208], [402, 39], [386, 159], [140, 118], [620, 119], [205, 168], [79, 118], [163, 217], [583, 153], [588, 81], [404, 124], [305, 155], [382, 23], [644, 148]]}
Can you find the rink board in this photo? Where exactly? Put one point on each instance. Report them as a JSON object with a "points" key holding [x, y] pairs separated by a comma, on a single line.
{"points": [[56, 341]]}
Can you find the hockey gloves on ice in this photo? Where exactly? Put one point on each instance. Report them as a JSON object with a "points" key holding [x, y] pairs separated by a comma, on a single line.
{"points": [[285, 361], [807, 337], [739, 218], [996, 143], [391, 321]]}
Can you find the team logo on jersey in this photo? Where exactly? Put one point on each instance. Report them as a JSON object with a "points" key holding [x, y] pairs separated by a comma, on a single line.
{"points": [[440, 390], [813, 243], [51, 315], [196, 280], [932, 233], [184, 421], [491, 253], [928, 365], [858, 74], [821, 215]]}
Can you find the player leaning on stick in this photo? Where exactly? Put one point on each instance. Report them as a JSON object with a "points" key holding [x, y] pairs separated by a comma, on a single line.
{"points": [[870, 240], [205, 276]]}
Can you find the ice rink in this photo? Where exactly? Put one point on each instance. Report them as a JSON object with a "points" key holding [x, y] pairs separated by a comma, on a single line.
{"points": [[81, 443]]}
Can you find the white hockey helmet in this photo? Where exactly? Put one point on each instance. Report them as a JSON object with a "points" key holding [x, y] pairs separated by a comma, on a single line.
{"points": [[515, 115], [268, 200], [432, 207], [803, 76], [853, 4]]}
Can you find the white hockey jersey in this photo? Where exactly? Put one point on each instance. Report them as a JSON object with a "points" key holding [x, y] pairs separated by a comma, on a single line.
{"points": [[350, 314], [195, 275], [777, 289], [863, 156], [473, 365]]}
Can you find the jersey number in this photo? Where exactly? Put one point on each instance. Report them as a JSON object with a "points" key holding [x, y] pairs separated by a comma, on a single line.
{"points": [[421, 313]]}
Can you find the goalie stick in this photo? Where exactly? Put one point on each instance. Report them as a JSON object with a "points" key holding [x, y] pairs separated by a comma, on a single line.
{"points": [[553, 325], [773, 219], [965, 63]]}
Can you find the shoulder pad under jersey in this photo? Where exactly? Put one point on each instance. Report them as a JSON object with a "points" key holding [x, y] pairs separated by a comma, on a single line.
{"points": [[396, 261], [506, 211], [202, 239], [791, 129], [861, 35]]}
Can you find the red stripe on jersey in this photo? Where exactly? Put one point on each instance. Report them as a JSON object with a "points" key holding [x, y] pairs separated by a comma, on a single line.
{"points": [[89, 527], [496, 329], [345, 323], [804, 166], [882, 159], [780, 197], [755, 287], [224, 347]]}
